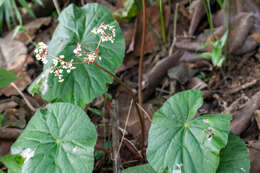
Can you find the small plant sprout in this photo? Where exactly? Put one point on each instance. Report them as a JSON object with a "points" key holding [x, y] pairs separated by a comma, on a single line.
{"points": [[59, 65]]}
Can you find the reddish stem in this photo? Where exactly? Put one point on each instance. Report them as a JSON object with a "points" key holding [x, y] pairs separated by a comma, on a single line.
{"points": [[140, 74]]}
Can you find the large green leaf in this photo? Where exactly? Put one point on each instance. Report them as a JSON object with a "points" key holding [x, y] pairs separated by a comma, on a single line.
{"points": [[177, 141], [146, 168], [13, 162], [62, 138], [87, 81], [234, 157], [6, 77]]}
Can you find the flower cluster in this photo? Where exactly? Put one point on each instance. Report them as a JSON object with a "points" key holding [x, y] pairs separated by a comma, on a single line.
{"points": [[91, 57], [59, 65], [77, 51], [107, 32], [41, 52]]}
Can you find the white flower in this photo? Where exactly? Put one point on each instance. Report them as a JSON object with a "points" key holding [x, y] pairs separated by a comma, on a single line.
{"points": [[206, 120], [27, 154], [55, 62]]}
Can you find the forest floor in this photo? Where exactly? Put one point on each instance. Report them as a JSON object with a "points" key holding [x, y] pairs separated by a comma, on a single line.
{"points": [[169, 67]]}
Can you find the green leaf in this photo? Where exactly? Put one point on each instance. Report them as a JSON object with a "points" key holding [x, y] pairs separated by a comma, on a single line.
{"points": [[25, 5], [146, 168], [17, 12], [14, 162], [38, 2], [129, 12], [62, 138], [224, 39], [234, 157], [206, 55], [6, 77], [1, 120], [1, 17], [1, 2], [178, 142], [18, 29], [86, 82]]}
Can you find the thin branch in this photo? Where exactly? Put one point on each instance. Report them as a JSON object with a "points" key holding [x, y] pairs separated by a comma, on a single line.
{"points": [[57, 6], [132, 95], [82, 2], [23, 96], [145, 113], [140, 74], [126, 122], [115, 138], [174, 28]]}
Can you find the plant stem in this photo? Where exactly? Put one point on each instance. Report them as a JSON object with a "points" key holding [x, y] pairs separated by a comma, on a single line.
{"points": [[139, 112], [57, 6], [23, 96], [162, 21], [209, 16], [141, 117], [115, 138], [140, 77]]}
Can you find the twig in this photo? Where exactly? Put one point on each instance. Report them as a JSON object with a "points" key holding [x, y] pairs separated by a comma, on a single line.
{"points": [[133, 145], [140, 74], [126, 122], [130, 92], [242, 87], [57, 6], [174, 28], [115, 138], [104, 150], [23, 96], [82, 2], [145, 113]]}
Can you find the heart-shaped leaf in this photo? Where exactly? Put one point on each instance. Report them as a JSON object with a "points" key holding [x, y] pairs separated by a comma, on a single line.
{"points": [[178, 142], [60, 138], [6, 77], [146, 168], [14, 162], [234, 157], [87, 81]]}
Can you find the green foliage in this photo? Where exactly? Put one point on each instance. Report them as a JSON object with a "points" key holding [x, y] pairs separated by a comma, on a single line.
{"points": [[6, 77], [234, 157], [146, 168], [1, 120], [177, 141], [216, 56], [87, 81], [13, 162], [19, 28], [203, 77], [129, 12], [9, 10], [162, 21], [62, 138]]}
